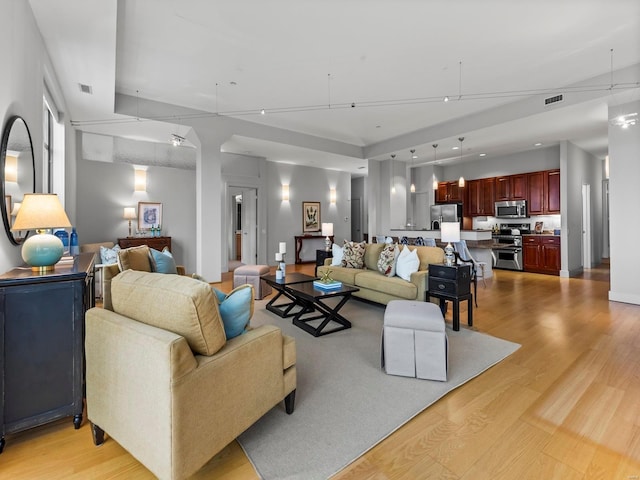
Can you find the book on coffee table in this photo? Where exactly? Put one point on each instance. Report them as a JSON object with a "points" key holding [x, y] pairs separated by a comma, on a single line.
{"points": [[333, 284]]}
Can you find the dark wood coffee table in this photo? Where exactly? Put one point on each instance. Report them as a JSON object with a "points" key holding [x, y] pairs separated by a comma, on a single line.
{"points": [[312, 300], [280, 286]]}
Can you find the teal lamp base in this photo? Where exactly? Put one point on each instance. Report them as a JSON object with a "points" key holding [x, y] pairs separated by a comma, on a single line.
{"points": [[42, 251]]}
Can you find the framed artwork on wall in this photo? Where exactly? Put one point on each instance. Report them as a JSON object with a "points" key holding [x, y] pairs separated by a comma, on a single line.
{"points": [[149, 215], [310, 217]]}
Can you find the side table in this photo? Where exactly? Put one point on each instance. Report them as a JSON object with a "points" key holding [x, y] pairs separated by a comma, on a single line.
{"points": [[321, 256], [451, 283]]}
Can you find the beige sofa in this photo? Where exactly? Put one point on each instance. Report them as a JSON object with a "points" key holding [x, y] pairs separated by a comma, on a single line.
{"points": [[163, 381], [379, 288]]}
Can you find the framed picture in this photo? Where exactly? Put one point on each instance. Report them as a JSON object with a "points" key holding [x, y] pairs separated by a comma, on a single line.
{"points": [[538, 227], [149, 215], [310, 217]]}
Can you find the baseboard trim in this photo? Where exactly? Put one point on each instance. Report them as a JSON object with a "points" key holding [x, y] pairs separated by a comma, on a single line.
{"points": [[624, 297]]}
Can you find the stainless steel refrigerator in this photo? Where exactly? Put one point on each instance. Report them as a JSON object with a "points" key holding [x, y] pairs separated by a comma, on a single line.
{"points": [[445, 212]]}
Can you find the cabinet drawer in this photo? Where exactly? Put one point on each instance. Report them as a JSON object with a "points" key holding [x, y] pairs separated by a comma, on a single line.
{"points": [[442, 272], [551, 240], [530, 240], [439, 285]]}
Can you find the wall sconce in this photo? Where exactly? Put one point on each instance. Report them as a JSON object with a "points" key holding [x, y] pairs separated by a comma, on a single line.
{"points": [[606, 167], [332, 195], [140, 180], [285, 192], [11, 169]]}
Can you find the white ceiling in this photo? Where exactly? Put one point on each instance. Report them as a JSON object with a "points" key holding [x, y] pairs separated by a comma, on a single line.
{"points": [[306, 62]]}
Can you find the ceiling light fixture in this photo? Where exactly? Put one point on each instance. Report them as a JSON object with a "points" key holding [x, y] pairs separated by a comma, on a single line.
{"points": [[461, 179], [176, 140], [482, 155], [412, 189], [262, 112], [537, 144], [625, 121]]}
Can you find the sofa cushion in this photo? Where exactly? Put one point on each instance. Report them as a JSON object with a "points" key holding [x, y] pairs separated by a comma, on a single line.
{"points": [[390, 285], [135, 258], [387, 260], [163, 262], [428, 255], [372, 254], [341, 274], [353, 254], [175, 303], [408, 262], [236, 309]]}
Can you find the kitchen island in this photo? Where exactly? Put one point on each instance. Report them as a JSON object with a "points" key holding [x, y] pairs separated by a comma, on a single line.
{"points": [[479, 242]]}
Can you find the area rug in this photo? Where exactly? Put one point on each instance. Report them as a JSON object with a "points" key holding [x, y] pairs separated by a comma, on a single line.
{"points": [[345, 403]]}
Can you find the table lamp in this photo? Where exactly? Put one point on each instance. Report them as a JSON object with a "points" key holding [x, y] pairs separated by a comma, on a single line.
{"points": [[327, 231], [449, 232], [129, 214], [40, 212]]}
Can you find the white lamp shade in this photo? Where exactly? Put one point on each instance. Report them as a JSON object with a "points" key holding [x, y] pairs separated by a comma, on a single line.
{"points": [[282, 247], [327, 229], [40, 211], [450, 232], [129, 213]]}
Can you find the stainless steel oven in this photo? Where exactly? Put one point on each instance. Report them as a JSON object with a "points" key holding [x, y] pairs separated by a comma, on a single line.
{"points": [[507, 246]]}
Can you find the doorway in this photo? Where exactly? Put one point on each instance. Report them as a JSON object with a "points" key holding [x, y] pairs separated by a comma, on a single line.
{"points": [[356, 220], [243, 227]]}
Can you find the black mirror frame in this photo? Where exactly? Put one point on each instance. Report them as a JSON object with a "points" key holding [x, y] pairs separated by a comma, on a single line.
{"points": [[6, 219]]}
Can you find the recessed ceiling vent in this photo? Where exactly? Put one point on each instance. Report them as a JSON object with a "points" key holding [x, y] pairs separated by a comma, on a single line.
{"points": [[86, 88], [551, 100]]}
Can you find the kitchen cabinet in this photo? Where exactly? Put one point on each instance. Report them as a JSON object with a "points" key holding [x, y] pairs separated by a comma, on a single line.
{"points": [[541, 254], [543, 192], [481, 194], [42, 344], [449, 192], [511, 187]]}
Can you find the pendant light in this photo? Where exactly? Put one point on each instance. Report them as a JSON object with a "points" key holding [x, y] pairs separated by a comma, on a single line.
{"points": [[393, 183], [461, 179], [412, 189], [435, 181]]}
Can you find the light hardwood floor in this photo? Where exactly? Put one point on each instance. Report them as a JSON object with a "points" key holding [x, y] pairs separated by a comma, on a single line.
{"points": [[565, 406]]}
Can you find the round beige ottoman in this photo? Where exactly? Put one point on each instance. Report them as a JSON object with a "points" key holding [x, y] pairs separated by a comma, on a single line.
{"points": [[251, 274]]}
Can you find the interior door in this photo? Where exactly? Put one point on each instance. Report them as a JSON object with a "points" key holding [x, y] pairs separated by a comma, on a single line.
{"points": [[249, 226], [586, 226]]}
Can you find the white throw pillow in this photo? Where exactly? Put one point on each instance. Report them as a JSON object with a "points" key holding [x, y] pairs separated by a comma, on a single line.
{"points": [[408, 263], [336, 251]]}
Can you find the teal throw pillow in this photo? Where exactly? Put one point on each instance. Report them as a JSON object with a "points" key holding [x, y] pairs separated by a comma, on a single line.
{"points": [[236, 309], [163, 261]]}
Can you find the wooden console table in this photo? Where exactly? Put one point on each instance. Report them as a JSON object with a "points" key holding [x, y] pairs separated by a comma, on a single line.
{"points": [[300, 239], [157, 243]]}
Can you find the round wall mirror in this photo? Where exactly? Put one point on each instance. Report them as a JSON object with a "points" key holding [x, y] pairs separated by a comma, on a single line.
{"points": [[17, 166]]}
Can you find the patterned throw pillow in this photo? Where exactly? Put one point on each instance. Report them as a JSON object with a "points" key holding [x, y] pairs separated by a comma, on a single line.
{"points": [[353, 254], [387, 260], [109, 256]]}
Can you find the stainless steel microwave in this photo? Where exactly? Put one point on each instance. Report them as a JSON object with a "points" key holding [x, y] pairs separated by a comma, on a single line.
{"points": [[511, 209]]}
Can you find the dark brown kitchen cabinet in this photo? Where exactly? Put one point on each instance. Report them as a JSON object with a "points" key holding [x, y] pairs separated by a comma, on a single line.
{"points": [[541, 254], [481, 196], [544, 192], [449, 192], [511, 187], [42, 344]]}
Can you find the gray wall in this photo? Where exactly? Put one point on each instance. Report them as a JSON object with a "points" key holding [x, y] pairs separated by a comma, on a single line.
{"points": [[284, 219], [104, 189]]}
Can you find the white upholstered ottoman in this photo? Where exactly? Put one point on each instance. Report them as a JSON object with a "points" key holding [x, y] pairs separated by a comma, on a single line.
{"points": [[414, 340], [251, 274]]}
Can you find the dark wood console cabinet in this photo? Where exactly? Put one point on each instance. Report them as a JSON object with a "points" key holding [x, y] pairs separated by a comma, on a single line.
{"points": [[42, 344], [157, 243]]}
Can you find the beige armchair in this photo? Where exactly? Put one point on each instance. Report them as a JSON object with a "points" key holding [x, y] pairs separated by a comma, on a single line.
{"points": [[163, 381]]}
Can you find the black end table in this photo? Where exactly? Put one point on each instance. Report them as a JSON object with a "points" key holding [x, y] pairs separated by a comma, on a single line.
{"points": [[321, 256], [451, 283]]}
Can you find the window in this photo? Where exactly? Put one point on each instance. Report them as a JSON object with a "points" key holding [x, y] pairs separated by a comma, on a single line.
{"points": [[53, 163]]}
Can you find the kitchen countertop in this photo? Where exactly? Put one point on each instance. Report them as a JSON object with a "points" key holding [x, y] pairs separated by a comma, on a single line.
{"points": [[473, 235]]}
